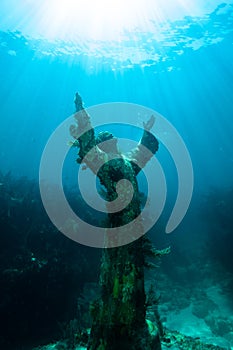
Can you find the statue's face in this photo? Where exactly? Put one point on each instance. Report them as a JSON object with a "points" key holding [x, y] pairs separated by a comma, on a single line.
{"points": [[109, 146]]}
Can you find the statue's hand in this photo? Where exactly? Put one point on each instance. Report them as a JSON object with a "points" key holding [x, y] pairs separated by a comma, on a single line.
{"points": [[78, 102], [149, 124]]}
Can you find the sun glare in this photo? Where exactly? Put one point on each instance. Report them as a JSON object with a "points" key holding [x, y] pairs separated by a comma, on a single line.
{"points": [[101, 19], [75, 20]]}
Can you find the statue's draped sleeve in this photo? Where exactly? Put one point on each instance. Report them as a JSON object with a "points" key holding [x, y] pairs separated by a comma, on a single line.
{"points": [[146, 148], [84, 133]]}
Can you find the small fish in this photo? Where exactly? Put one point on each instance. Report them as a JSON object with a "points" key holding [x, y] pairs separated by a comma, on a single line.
{"points": [[18, 200]]}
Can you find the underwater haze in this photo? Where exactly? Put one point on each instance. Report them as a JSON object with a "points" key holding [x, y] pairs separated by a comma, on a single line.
{"points": [[181, 69], [173, 57]]}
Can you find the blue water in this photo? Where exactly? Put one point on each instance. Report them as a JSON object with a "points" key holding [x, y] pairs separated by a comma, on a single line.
{"points": [[186, 75], [193, 90]]}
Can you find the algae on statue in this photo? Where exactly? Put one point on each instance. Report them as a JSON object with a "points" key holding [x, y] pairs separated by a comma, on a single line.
{"points": [[119, 316]]}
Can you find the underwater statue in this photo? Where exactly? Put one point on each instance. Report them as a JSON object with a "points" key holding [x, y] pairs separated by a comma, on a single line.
{"points": [[119, 315]]}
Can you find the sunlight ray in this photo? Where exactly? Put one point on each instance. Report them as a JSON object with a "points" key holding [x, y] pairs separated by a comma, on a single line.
{"points": [[96, 19]]}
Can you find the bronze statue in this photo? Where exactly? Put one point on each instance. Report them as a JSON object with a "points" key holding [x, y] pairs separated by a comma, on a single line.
{"points": [[119, 316]]}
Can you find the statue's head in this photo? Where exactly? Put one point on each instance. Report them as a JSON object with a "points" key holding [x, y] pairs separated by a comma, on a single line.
{"points": [[110, 146]]}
